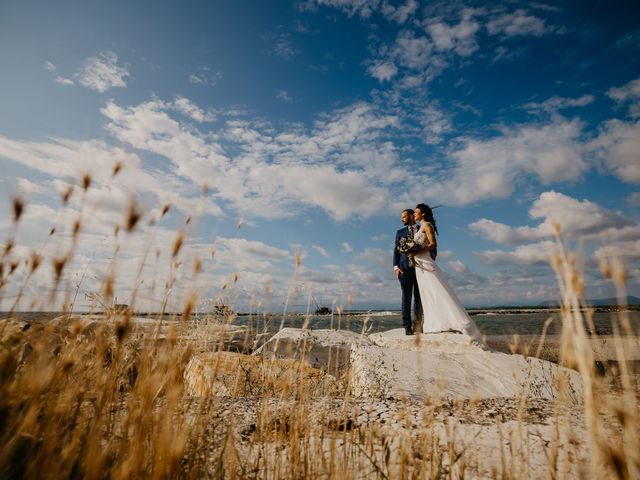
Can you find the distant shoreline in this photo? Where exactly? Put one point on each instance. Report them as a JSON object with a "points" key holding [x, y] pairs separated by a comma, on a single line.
{"points": [[471, 311]]}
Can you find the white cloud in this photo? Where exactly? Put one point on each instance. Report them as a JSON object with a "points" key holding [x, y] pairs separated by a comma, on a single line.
{"points": [[284, 47], [532, 254], [457, 266], [251, 250], [461, 276], [435, 123], [191, 110], [459, 38], [627, 250], [618, 147], [321, 251], [401, 13], [284, 96], [517, 23], [444, 254], [555, 103], [412, 51], [503, 53], [102, 73], [204, 76], [285, 170], [346, 247], [595, 232], [255, 262], [383, 70], [64, 158], [364, 8], [633, 200], [490, 168], [629, 92], [70, 160], [575, 218], [28, 187], [50, 67], [63, 81]]}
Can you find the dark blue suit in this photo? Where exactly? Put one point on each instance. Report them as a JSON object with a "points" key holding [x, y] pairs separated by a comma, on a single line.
{"points": [[408, 282]]}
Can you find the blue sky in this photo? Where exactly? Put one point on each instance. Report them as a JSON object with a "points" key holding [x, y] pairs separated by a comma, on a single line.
{"points": [[312, 125]]}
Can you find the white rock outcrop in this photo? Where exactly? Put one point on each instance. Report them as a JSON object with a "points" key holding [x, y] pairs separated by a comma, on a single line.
{"points": [[429, 342], [447, 366], [329, 350]]}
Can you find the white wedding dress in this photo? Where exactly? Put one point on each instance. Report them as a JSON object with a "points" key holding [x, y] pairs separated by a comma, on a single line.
{"points": [[442, 311]]}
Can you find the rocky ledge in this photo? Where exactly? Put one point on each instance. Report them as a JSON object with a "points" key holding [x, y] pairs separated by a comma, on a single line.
{"points": [[449, 366]]}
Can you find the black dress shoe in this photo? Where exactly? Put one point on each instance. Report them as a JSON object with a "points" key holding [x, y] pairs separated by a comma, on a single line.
{"points": [[408, 331]]}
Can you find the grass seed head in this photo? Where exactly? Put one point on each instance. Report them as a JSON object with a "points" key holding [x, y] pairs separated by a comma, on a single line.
{"points": [[86, 181], [58, 266], [66, 195], [8, 246], [177, 244], [76, 228], [122, 328], [18, 209], [108, 288], [197, 266], [133, 216], [605, 268], [188, 306], [36, 260], [67, 364], [77, 327]]}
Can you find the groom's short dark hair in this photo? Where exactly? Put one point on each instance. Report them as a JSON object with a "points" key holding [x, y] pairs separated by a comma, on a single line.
{"points": [[409, 211]]}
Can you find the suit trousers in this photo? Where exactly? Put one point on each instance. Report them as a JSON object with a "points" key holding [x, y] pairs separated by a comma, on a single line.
{"points": [[409, 287]]}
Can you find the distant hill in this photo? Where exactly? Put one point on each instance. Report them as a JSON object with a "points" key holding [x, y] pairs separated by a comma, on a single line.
{"points": [[598, 302]]}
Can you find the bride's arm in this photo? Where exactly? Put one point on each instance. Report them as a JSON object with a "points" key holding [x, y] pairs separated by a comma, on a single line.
{"points": [[431, 242]]}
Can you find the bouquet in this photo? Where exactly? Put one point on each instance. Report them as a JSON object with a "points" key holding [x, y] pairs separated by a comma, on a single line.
{"points": [[407, 245]]}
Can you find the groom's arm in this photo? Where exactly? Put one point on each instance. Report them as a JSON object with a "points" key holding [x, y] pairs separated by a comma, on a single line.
{"points": [[396, 256]]}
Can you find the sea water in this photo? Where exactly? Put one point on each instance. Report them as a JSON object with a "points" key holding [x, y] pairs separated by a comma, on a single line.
{"points": [[498, 322], [490, 322]]}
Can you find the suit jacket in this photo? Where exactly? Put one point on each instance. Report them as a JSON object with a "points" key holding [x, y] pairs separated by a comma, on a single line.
{"points": [[400, 260]]}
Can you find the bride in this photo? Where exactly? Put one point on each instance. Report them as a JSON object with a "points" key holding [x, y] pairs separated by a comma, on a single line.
{"points": [[443, 312]]}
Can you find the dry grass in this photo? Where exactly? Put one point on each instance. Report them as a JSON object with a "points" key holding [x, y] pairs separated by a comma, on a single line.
{"points": [[110, 399]]}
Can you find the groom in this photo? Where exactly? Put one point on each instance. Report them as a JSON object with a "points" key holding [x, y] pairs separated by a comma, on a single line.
{"points": [[406, 274]]}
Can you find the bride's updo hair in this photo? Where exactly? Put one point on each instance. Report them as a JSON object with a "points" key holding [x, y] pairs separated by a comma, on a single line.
{"points": [[427, 213]]}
